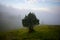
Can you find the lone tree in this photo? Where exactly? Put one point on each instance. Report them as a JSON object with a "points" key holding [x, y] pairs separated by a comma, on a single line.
{"points": [[30, 21]]}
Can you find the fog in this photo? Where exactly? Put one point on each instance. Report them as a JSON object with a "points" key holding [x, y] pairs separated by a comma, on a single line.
{"points": [[11, 18]]}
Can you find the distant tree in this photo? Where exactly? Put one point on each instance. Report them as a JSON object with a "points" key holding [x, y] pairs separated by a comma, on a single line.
{"points": [[30, 21]]}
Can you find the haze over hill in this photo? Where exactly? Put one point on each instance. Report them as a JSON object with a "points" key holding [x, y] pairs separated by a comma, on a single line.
{"points": [[11, 18]]}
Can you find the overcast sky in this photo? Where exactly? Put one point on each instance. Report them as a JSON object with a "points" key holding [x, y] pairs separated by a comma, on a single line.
{"points": [[46, 6], [32, 4]]}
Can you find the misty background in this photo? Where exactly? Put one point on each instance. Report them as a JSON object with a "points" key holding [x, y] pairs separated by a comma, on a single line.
{"points": [[11, 17]]}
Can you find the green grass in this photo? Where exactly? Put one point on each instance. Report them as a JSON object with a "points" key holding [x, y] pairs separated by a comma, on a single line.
{"points": [[45, 32]]}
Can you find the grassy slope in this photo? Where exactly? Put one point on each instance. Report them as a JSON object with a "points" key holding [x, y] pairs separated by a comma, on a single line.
{"points": [[41, 33]]}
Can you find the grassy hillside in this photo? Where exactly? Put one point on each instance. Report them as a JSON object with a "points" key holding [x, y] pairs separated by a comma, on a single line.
{"points": [[45, 32]]}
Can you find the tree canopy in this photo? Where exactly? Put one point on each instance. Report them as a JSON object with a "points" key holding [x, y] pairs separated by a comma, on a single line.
{"points": [[30, 20]]}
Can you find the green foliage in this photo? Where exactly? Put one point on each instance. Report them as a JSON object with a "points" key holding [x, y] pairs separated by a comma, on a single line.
{"points": [[30, 20]]}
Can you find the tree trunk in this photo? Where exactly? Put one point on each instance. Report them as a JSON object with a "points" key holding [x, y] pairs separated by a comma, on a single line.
{"points": [[31, 29]]}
